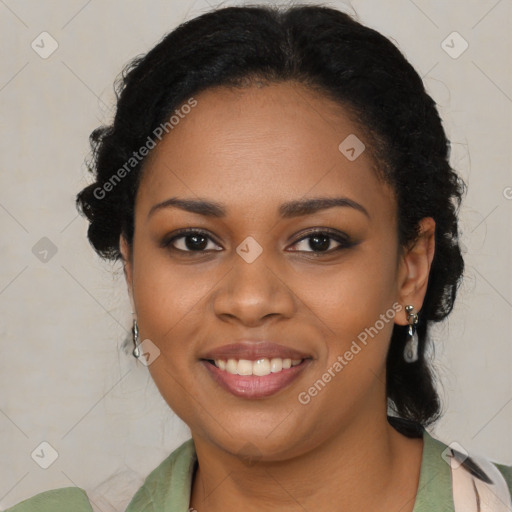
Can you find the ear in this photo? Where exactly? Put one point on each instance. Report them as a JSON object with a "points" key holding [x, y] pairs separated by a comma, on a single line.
{"points": [[414, 269], [126, 254]]}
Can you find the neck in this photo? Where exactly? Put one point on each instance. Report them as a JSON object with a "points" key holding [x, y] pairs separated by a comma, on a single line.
{"points": [[366, 465]]}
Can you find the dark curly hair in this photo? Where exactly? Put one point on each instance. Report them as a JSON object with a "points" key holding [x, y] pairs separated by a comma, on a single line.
{"points": [[329, 52]]}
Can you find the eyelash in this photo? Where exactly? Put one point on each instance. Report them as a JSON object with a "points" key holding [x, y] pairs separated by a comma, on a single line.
{"points": [[343, 240]]}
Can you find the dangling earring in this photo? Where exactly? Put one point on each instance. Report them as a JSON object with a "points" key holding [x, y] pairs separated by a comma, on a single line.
{"points": [[135, 333], [411, 346]]}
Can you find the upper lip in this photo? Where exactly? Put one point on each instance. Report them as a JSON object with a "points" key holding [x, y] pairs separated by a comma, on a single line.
{"points": [[254, 350]]}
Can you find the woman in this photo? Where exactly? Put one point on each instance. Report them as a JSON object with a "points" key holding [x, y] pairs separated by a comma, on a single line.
{"points": [[277, 185]]}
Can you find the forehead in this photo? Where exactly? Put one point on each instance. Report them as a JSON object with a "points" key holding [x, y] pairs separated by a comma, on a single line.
{"points": [[262, 145]]}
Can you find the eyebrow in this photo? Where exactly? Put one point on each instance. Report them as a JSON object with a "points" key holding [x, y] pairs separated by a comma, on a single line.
{"points": [[287, 210]]}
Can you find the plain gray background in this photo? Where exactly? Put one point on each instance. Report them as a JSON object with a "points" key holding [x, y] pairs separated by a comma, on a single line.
{"points": [[65, 313]]}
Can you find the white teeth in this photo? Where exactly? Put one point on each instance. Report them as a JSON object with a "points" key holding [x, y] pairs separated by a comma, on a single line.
{"points": [[232, 366], [276, 365], [244, 367], [259, 368]]}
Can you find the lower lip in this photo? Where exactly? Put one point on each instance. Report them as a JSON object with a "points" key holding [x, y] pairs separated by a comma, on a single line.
{"points": [[253, 386]]}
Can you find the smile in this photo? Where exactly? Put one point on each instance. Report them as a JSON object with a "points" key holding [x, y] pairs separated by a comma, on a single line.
{"points": [[255, 379]]}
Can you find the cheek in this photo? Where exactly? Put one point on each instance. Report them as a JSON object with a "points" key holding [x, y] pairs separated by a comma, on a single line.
{"points": [[168, 298], [352, 295], [169, 301], [355, 308]]}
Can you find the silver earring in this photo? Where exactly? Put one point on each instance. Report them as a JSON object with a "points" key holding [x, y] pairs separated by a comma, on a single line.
{"points": [[411, 346], [135, 332]]}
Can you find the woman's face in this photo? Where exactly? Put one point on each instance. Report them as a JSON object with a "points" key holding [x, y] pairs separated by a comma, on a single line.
{"points": [[257, 274]]}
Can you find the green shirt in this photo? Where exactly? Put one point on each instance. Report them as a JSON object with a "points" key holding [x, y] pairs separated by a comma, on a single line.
{"points": [[167, 488]]}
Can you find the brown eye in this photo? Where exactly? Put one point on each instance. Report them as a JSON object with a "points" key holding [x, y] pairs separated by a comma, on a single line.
{"points": [[190, 241], [323, 241]]}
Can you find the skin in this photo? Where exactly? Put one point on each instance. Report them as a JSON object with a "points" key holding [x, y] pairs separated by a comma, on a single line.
{"points": [[252, 150]]}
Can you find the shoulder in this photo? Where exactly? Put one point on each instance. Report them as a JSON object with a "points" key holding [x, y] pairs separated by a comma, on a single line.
{"points": [[467, 477], [57, 500], [168, 483], [451, 479], [476, 464], [438, 451]]}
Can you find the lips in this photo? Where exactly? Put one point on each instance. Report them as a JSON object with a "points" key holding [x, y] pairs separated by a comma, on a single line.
{"points": [[254, 384]]}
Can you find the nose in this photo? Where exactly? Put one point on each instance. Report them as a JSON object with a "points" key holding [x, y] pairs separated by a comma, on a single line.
{"points": [[251, 293]]}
